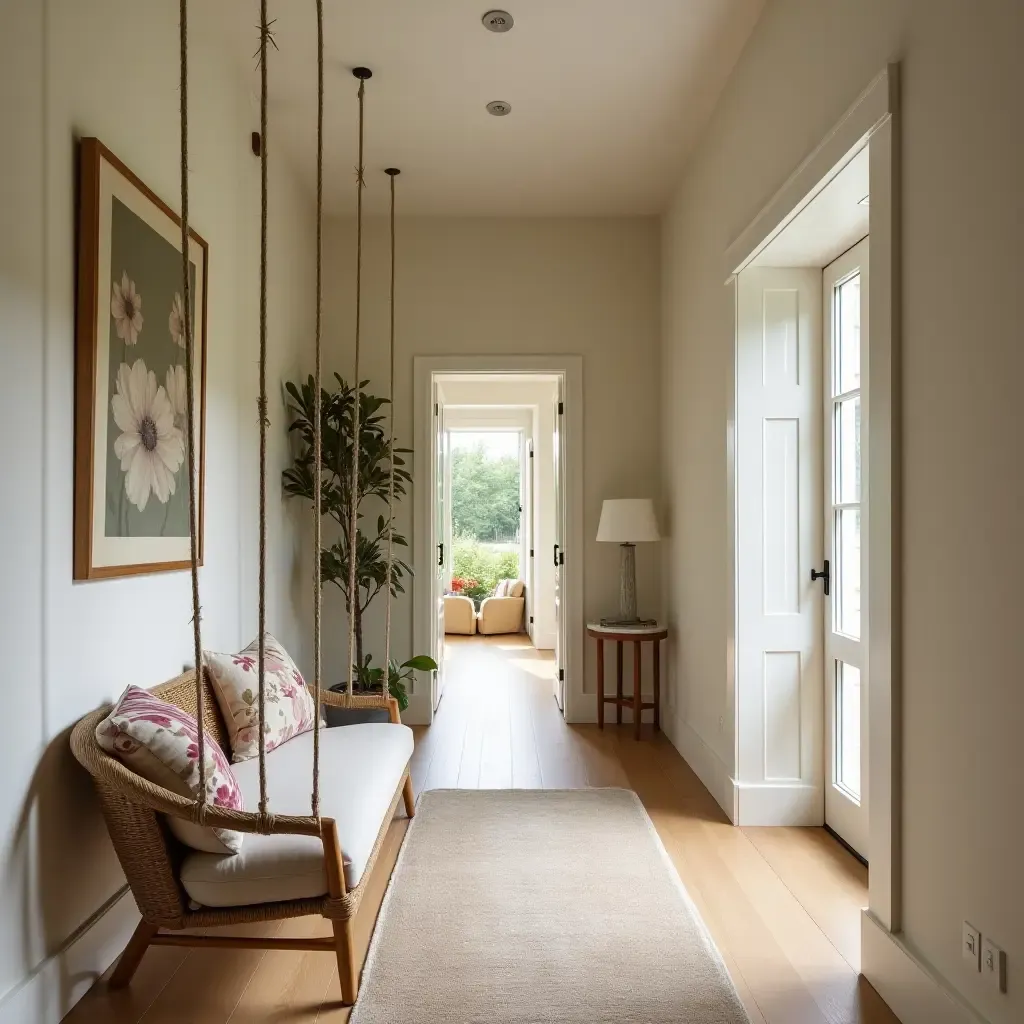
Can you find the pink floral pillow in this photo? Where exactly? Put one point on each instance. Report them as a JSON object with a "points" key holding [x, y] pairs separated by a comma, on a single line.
{"points": [[290, 710], [160, 742]]}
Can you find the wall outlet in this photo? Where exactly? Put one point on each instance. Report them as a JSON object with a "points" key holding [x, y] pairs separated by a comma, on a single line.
{"points": [[970, 945], [993, 964]]}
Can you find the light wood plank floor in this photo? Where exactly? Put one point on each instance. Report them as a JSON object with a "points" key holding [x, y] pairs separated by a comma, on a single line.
{"points": [[782, 904]]}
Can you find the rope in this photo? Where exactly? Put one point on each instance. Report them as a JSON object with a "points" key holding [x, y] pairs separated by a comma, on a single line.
{"points": [[317, 429], [200, 811], [354, 495], [392, 172], [264, 33]]}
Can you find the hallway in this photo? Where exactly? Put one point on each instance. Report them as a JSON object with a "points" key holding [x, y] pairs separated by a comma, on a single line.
{"points": [[783, 904]]}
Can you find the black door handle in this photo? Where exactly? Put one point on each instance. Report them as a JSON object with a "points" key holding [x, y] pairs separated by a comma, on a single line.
{"points": [[556, 556], [440, 555], [825, 574]]}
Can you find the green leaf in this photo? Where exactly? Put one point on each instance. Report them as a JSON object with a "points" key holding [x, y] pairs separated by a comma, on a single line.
{"points": [[421, 663]]}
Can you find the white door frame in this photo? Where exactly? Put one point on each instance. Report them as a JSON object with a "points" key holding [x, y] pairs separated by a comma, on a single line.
{"points": [[873, 122], [425, 368]]}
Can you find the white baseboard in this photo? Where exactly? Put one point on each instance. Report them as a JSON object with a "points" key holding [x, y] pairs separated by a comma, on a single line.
{"points": [[53, 988], [778, 803], [706, 764], [911, 987]]}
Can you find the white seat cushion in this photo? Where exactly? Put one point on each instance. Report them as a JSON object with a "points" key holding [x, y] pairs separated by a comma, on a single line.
{"points": [[360, 768]]}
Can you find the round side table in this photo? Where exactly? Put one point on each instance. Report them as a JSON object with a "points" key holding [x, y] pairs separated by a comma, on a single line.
{"points": [[638, 636]]}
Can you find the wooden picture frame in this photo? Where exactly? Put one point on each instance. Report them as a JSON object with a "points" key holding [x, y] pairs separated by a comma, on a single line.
{"points": [[131, 476]]}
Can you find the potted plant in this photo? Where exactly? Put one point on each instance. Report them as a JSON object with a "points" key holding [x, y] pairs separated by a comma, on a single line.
{"points": [[376, 455]]}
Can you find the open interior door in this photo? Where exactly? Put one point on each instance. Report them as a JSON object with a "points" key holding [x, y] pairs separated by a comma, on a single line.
{"points": [[440, 533], [558, 554], [526, 525]]}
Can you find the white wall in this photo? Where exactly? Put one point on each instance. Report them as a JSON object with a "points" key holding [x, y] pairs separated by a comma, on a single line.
{"points": [[537, 398], [110, 68], [519, 286], [962, 563]]}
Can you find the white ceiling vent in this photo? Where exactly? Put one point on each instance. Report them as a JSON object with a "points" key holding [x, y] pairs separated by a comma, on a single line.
{"points": [[499, 108], [498, 21]]}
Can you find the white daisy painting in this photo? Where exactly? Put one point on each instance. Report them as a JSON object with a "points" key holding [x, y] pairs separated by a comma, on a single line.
{"points": [[132, 492]]}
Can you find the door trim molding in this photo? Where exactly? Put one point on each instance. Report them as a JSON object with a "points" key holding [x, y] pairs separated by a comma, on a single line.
{"points": [[872, 121], [571, 367]]}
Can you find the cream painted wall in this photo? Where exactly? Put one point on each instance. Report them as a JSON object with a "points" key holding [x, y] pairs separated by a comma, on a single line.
{"points": [[519, 286], [109, 68], [963, 146]]}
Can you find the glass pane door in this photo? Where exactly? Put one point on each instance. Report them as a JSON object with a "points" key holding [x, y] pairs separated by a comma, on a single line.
{"points": [[845, 290]]}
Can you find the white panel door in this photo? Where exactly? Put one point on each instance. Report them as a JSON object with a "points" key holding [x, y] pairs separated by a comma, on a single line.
{"points": [[845, 309], [526, 524], [779, 610], [558, 551], [440, 535]]}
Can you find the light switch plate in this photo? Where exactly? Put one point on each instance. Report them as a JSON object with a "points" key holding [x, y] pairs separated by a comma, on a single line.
{"points": [[993, 964], [970, 945]]}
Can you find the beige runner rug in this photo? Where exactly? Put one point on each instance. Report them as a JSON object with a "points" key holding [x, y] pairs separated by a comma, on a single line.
{"points": [[538, 906]]}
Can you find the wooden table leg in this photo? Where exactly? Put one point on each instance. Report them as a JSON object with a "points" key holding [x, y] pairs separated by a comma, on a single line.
{"points": [[637, 714], [600, 683], [618, 681], [657, 685]]}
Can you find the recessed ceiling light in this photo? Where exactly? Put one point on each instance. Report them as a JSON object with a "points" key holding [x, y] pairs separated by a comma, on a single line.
{"points": [[866, 201], [498, 21], [499, 108]]}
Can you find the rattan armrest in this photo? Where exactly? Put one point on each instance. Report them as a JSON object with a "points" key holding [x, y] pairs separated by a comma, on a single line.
{"points": [[362, 700]]}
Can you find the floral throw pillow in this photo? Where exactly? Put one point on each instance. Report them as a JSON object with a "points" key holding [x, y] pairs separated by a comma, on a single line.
{"points": [[289, 712], [160, 742]]}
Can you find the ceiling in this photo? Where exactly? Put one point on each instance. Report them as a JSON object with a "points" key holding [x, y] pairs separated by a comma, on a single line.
{"points": [[608, 98], [827, 226]]}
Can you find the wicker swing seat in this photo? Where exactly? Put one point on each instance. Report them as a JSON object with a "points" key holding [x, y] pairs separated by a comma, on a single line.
{"points": [[290, 865]]}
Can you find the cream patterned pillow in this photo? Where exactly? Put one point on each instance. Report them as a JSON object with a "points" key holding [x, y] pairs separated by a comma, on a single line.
{"points": [[289, 705], [501, 590], [159, 741]]}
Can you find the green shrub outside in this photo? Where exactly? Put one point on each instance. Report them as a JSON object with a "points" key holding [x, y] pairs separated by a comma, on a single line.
{"points": [[472, 560]]}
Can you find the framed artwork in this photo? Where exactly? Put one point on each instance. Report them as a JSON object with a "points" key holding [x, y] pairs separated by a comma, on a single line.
{"points": [[131, 461]]}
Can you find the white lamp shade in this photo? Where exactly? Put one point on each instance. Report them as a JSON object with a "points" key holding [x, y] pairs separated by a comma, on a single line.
{"points": [[628, 521]]}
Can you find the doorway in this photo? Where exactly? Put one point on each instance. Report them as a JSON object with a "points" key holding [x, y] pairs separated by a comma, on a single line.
{"points": [[801, 412], [792, 741], [494, 521]]}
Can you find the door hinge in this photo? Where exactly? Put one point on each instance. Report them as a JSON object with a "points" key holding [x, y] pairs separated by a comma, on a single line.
{"points": [[561, 675], [561, 558], [437, 409], [531, 552], [531, 453], [531, 620], [561, 408]]}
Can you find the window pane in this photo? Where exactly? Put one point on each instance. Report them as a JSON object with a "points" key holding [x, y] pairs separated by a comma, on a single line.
{"points": [[847, 545], [846, 458], [847, 350], [847, 743]]}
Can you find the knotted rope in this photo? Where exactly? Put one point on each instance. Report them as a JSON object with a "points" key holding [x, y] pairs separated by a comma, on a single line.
{"points": [[317, 413], [362, 74], [264, 35], [200, 806], [392, 172]]}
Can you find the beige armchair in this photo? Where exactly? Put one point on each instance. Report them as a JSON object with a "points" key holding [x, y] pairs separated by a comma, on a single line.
{"points": [[503, 613], [459, 614]]}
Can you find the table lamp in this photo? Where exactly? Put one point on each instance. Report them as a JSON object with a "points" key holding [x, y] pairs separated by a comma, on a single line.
{"points": [[627, 522]]}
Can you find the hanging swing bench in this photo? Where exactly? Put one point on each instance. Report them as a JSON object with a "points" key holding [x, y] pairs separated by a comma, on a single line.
{"points": [[291, 864]]}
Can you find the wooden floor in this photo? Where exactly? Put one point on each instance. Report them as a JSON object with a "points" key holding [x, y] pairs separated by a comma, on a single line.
{"points": [[783, 904]]}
